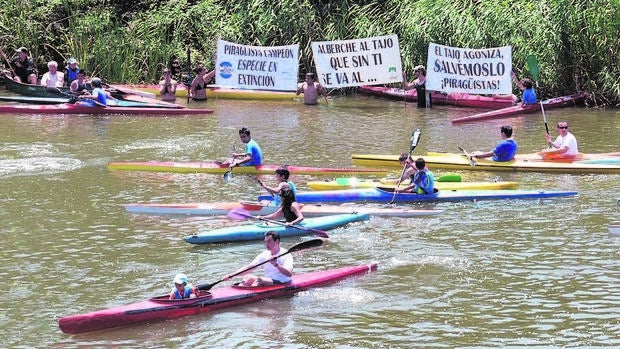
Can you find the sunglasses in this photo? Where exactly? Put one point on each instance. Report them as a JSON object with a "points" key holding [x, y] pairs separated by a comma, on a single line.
{"points": [[563, 127]]}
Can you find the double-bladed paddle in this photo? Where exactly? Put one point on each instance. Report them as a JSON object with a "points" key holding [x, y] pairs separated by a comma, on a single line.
{"points": [[239, 213], [228, 174], [470, 157], [299, 247], [415, 138], [533, 67]]}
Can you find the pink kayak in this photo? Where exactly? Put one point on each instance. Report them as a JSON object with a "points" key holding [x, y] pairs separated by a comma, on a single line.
{"points": [[438, 98], [264, 208], [68, 108], [558, 102], [161, 308], [215, 167]]}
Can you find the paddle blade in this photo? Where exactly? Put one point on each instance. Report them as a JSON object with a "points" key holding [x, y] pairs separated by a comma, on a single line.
{"points": [[415, 138], [238, 214], [228, 175], [472, 162], [306, 245], [532, 66]]}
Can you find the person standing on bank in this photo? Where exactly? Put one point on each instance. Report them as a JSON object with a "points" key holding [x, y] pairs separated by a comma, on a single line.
{"points": [[168, 87], [311, 90], [504, 151], [424, 100]]}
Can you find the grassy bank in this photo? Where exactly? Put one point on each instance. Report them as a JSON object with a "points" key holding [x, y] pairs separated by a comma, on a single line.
{"points": [[577, 43]]}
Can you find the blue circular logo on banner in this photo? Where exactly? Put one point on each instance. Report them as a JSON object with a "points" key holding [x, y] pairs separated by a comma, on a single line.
{"points": [[225, 70]]}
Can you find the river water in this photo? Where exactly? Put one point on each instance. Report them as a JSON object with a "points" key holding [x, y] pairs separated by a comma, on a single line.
{"points": [[508, 273]]}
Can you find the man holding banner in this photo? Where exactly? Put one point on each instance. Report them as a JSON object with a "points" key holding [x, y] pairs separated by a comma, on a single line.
{"points": [[311, 90], [424, 99]]}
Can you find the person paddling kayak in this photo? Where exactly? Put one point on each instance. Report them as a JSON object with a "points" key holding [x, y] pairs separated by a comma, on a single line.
{"points": [[253, 156], [182, 288], [279, 270]]}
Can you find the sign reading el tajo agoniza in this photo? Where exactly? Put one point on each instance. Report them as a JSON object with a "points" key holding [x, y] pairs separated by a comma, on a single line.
{"points": [[357, 62], [257, 67], [476, 71]]}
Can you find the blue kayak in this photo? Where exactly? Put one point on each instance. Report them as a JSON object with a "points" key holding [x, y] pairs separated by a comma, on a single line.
{"points": [[257, 231], [379, 195]]}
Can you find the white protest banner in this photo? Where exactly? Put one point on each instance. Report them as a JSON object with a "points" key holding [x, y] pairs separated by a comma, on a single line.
{"points": [[257, 67], [475, 71], [368, 61]]}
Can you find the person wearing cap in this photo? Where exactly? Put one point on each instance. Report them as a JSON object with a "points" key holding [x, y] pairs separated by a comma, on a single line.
{"points": [[53, 78], [71, 71], [168, 87], [24, 68], [279, 270], [419, 84], [182, 289], [311, 90], [505, 149], [564, 146]]}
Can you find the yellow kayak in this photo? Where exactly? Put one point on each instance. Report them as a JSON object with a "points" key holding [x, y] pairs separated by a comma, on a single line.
{"points": [[523, 162], [214, 91], [355, 183]]}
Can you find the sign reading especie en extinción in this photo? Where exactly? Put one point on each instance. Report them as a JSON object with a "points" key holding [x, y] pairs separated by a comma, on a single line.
{"points": [[257, 67]]}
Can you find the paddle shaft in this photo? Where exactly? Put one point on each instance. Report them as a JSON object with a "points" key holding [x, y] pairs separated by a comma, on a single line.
{"points": [[6, 59], [534, 68], [300, 246], [472, 162], [415, 138], [311, 230]]}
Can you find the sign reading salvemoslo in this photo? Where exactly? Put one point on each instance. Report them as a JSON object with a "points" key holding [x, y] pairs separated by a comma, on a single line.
{"points": [[257, 67], [357, 62], [476, 71]]}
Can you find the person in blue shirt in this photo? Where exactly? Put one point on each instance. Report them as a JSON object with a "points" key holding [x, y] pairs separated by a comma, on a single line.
{"points": [[505, 149], [252, 156], [422, 180], [182, 289], [525, 85]]}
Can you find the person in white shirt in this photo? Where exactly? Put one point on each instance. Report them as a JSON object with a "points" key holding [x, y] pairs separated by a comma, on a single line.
{"points": [[564, 146], [53, 78]]}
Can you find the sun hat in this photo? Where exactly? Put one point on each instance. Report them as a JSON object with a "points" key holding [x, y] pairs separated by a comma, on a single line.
{"points": [[71, 60], [180, 279], [22, 49]]}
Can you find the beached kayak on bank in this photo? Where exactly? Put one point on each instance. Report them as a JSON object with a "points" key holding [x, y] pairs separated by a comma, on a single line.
{"points": [[214, 91], [161, 308], [78, 108], [265, 208], [523, 162], [379, 195], [439, 98], [557, 102], [249, 232], [216, 168]]}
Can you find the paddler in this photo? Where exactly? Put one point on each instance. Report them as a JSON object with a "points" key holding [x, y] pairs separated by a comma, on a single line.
{"points": [[505, 149], [422, 179], [253, 156], [564, 146], [182, 288], [278, 271], [289, 208], [282, 175]]}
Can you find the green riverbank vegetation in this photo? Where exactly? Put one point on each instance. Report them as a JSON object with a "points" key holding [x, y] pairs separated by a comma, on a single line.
{"points": [[576, 42]]}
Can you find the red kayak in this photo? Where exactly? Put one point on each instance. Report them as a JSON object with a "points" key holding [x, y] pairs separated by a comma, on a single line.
{"points": [[558, 102], [68, 108], [439, 98], [161, 308]]}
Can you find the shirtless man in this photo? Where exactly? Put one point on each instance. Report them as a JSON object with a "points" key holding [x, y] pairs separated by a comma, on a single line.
{"points": [[311, 90]]}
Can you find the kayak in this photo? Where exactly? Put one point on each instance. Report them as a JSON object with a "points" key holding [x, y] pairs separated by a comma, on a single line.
{"points": [[111, 102], [380, 195], [523, 162], [265, 208], [353, 183], [216, 167], [248, 232], [557, 102], [439, 98], [214, 91], [161, 308], [68, 108], [116, 91]]}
